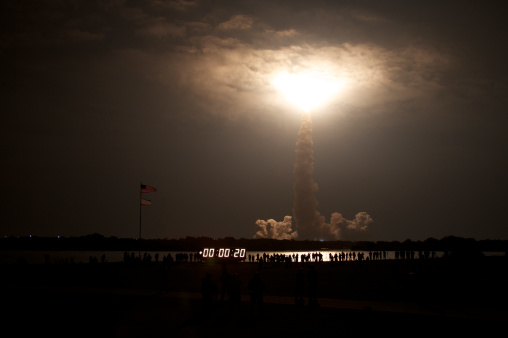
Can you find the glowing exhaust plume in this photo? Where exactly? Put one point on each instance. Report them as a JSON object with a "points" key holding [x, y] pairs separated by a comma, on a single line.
{"points": [[307, 90]]}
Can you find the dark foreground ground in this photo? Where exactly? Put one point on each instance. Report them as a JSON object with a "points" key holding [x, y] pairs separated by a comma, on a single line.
{"points": [[410, 298]]}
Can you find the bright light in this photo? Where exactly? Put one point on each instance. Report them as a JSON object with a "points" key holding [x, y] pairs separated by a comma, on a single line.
{"points": [[307, 90]]}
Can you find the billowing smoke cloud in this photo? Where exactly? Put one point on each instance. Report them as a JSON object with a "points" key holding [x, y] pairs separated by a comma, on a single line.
{"points": [[309, 223], [275, 230], [342, 228]]}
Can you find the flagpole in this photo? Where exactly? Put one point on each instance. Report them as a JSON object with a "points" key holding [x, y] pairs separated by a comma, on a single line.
{"points": [[140, 207], [139, 202], [143, 188]]}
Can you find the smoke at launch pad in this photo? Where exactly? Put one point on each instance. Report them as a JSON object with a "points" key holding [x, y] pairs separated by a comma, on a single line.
{"points": [[308, 222]]}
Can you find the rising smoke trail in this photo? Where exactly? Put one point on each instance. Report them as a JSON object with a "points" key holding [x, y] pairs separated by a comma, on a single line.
{"points": [[309, 223], [305, 206]]}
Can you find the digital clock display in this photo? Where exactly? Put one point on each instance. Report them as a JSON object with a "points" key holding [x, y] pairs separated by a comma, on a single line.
{"points": [[225, 253]]}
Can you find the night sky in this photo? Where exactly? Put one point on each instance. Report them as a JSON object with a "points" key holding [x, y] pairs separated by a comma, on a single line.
{"points": [[99, 96]]}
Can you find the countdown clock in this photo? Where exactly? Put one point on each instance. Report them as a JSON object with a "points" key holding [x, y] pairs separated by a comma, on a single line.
{"points": [[223, 253]]}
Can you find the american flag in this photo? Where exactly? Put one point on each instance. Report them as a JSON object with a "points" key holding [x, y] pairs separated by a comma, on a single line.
{"points": [[145, 202], [147, 188]]}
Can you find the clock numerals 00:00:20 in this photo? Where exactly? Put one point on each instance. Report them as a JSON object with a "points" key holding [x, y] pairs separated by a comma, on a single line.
{"points": [[223, 253]]}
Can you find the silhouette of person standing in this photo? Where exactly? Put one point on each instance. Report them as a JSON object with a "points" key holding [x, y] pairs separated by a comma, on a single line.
{"points": [[164, 287], [209, 290], [235, 293], [299, 288], [225, 280], [312, 276], [256, 288]]}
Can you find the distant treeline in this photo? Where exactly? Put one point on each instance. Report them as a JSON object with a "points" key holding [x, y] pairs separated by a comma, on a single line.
{"points": [[98, 242]]}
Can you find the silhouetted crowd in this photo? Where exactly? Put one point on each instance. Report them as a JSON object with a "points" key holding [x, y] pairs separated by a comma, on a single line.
{"points": [[278, 258], [168, 259], [226, 292], [275, 258]]}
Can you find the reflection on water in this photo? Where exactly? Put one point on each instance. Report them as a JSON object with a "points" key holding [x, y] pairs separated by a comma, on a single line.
{"points": [[70, 257]]}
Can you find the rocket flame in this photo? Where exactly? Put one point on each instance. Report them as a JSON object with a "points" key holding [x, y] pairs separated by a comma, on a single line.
{"points": [[307, 90]]}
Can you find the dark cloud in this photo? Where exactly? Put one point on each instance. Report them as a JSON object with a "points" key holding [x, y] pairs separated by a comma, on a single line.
{"points": [[97, 96]]}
